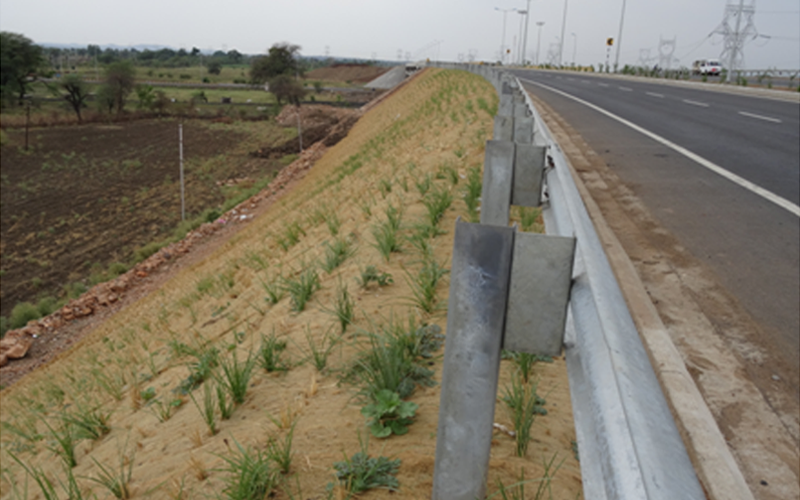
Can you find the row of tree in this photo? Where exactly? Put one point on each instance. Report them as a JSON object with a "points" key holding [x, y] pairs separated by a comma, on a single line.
{"points": [[22, 62]]}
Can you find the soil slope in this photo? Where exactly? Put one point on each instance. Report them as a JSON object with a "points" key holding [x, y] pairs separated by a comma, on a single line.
{"points": [[419, 143]]}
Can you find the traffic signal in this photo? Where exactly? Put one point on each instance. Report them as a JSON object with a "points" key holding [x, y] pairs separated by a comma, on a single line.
{"points": [[609, 42]]}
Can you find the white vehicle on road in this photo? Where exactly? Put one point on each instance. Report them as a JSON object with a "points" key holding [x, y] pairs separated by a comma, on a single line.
{"points": [[706, 67]]}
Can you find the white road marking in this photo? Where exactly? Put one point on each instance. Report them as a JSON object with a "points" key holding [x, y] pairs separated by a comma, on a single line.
{"points": [[761, 117], [758, 190], [655, 95], [603, 84], [695, 103], [626, 89], [586, 82]]}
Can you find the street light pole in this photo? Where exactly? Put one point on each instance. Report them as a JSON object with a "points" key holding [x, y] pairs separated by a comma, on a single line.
{"points": [[503, 42], [539, 41], [525, 38], [619, 37], [519, 45], [574, 48], [561, 43]]}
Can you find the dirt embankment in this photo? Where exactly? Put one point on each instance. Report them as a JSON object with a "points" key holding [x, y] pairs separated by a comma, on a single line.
{"points": [[353, 73]]}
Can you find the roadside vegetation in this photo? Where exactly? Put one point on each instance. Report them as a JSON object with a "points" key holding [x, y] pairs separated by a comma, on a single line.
{"points": [[303, 358]]}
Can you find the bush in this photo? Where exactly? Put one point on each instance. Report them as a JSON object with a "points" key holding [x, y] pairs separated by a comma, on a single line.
{"points": [[46, 306], [22, 313]]}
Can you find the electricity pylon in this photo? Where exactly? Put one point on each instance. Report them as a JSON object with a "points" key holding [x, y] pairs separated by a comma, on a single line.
{"points": [[736, 27]]}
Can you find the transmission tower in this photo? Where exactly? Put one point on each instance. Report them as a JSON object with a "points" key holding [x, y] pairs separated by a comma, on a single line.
{"points": [[666, 48], [736, 27], [645, 58]]}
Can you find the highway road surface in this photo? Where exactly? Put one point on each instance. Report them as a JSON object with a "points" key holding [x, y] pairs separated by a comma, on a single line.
{"points": [[720, 171]]}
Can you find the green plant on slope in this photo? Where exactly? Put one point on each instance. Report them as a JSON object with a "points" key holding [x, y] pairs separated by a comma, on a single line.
{"points": [[270, 354], [250, 476], [386, 241], [388, 414], [235, 376], [88, 423], [372, 274], [436, 203], [117, 480], [207, 409], [336, 254], [280, 451], [362, 472], [423, 285], [301, 289], [523, 405], [344, 307], [472, 195]]}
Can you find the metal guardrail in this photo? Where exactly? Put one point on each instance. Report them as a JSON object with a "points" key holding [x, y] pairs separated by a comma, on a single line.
{"points": [[630, 447]]}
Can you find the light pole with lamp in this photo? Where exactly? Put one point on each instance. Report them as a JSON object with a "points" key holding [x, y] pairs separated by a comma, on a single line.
{"points": [[574, 48], [525, 37], [521, 57], [539, 42], [619, 37], [563, 27], [503, 42]]}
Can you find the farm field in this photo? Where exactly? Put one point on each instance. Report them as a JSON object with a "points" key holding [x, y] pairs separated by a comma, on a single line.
{"points": [[84, 197], [338, 290]]}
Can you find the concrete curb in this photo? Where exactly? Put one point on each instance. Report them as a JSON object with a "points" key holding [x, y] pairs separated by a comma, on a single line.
{"points": [[713, 461]]}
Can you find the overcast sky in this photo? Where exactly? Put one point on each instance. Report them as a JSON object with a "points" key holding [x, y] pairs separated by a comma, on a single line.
{"points": [[382, 28]]}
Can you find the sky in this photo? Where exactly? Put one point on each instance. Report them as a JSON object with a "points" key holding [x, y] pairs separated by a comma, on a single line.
{"points": [[446, 30]]}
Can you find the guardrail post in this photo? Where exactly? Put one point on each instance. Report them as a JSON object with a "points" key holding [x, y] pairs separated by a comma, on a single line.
{"points": [[541, 278], [497, 182], [475, 318]]}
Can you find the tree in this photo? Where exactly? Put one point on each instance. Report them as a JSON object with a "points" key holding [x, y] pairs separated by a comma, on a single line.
{"points": [[280, 60], [120, 77], [234, 56], [285, 87], [146, 96], [214, 67], [20, 59], [77, 92]]}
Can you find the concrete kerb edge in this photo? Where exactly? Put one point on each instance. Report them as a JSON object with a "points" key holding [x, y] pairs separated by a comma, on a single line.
{"points": [[713, 461]]}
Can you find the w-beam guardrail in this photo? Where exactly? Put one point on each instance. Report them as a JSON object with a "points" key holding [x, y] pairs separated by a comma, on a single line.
{"points": [[537, 293]]}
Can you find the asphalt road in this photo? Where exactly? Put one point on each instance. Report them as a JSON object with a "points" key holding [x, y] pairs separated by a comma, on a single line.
{"points": [[747, 229]]}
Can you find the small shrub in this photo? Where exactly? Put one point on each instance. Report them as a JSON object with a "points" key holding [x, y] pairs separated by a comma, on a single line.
{"points": [[362, 472], [388, 414], [318, 352], [344, 307], [22, 314]]}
